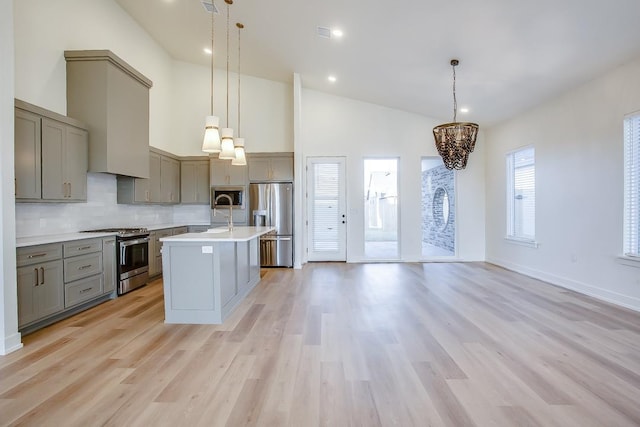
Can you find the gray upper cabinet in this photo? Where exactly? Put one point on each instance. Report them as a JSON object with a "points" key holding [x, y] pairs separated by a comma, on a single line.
{"points": [[224, 173], [162, 186], [28, 155], [51, 156], [113, 99], [265, 167], [169, 180], [194, 181]]}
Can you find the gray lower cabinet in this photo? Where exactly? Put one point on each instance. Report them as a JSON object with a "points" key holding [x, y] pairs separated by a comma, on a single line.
{"points": [[82, 271], [40, 291], [155, 250], [59, 279], [194, 182], [51, 156], [109, 264], [155, 247]]}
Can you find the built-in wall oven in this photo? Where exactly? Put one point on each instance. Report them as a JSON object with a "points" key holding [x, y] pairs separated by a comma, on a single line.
{"points": [[132, 253]]}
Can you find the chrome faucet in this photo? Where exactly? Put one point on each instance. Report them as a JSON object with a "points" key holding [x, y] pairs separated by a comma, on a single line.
{"points": [[230, 218]]}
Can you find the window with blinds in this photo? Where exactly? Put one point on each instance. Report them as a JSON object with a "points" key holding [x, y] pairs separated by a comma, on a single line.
{"points": [[326, 207], [521, 194], [632, 185]]}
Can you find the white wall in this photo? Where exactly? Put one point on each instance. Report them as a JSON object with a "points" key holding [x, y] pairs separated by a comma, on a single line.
{"points": [[579, 188], [335, 126], [9, 335], [45, 29], [266, 109]]}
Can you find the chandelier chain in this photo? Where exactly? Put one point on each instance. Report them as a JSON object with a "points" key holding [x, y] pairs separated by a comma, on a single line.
{"points": [[455, 101]]}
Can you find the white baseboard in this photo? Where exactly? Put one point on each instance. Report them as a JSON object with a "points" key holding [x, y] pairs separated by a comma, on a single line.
{"points": [[11, 344], [583, 288]]}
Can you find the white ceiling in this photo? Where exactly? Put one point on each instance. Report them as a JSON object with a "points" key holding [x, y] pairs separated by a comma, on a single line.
{"points": [[513, 54]]}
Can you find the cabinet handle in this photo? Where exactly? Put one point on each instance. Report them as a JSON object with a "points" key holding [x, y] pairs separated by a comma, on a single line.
{"points": [[84, 248], [69, 190], [84, 267], [42, 275], [37, 279], [37, 255], [86, 290]]}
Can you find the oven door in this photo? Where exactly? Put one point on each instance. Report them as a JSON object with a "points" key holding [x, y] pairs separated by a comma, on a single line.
{"points": [[134, 257]]}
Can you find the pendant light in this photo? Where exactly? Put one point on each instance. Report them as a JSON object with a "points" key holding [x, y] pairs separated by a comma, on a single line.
{"points": [[455, 140], [211, 141], [238, 142], [228, 151]]}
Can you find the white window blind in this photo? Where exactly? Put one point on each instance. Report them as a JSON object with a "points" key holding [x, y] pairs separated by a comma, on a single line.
{"points": [[632, 185], [326, 213], [521, 194]]}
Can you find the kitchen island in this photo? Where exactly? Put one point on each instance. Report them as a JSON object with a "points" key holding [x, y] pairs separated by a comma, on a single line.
{"points": [[206, 275]]}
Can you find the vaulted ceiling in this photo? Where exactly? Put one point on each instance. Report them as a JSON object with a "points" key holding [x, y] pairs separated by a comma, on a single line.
{"points": [[513, 54]]}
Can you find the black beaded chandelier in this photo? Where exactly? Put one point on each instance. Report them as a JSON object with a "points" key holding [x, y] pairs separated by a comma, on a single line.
{"points": [[455, 140]]}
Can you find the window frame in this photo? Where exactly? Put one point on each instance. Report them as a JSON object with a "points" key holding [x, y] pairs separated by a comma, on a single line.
{"points": [[511, 235]]}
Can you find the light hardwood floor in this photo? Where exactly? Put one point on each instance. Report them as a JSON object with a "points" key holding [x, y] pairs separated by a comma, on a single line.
{"points": [[340, 345]]}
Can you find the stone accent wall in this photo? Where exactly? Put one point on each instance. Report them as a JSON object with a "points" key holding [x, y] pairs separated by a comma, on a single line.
{"points": [[433, 231]]}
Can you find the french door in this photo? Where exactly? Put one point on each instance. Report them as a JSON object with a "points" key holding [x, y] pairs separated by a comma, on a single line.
{"points": [[326, 209]]}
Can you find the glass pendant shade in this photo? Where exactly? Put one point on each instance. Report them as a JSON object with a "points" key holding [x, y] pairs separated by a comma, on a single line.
{"points": [[241, 159], [228, 151], [211, 143]]}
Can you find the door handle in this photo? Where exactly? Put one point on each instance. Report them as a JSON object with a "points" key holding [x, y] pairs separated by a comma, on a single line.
{"points": [[37, 279], [42, 275]]}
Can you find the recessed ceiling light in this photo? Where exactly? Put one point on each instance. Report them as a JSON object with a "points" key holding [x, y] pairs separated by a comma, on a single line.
{"points": [[207, 50], [332, 79], [464, 110], [328, 33]]}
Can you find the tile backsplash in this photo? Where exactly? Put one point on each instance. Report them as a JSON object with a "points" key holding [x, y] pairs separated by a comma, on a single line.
{"points": [[101, 210]]}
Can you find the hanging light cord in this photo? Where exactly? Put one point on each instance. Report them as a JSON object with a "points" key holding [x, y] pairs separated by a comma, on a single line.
{"points": [[213, 8], [240, 27], [228, 12]]}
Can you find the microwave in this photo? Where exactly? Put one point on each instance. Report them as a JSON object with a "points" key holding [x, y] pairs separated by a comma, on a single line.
{"points": [[236, 194]]}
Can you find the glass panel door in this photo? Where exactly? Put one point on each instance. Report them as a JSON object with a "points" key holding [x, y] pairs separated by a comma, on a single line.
{"points": [[381, 208]]}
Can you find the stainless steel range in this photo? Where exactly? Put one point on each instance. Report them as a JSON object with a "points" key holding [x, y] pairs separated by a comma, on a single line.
{"points": [[132, 246]]}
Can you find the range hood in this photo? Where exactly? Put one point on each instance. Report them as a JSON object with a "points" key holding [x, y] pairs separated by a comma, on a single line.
{"points": [[112, 98]]}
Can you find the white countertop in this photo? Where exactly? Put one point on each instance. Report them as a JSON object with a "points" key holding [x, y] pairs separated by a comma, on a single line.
{"points": [[239, 234], [57, 238], [66, 237]]}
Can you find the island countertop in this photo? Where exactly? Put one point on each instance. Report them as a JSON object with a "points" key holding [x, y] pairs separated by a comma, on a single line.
{"points": [[221, 234]]}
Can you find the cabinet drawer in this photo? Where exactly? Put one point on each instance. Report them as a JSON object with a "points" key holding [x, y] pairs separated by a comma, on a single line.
{"points": [[37, 254], [82, 290], [81, 247], [82, 266]]}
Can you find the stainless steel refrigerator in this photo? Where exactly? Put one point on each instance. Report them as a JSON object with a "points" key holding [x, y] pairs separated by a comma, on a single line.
{"points": [[271, 204]]}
